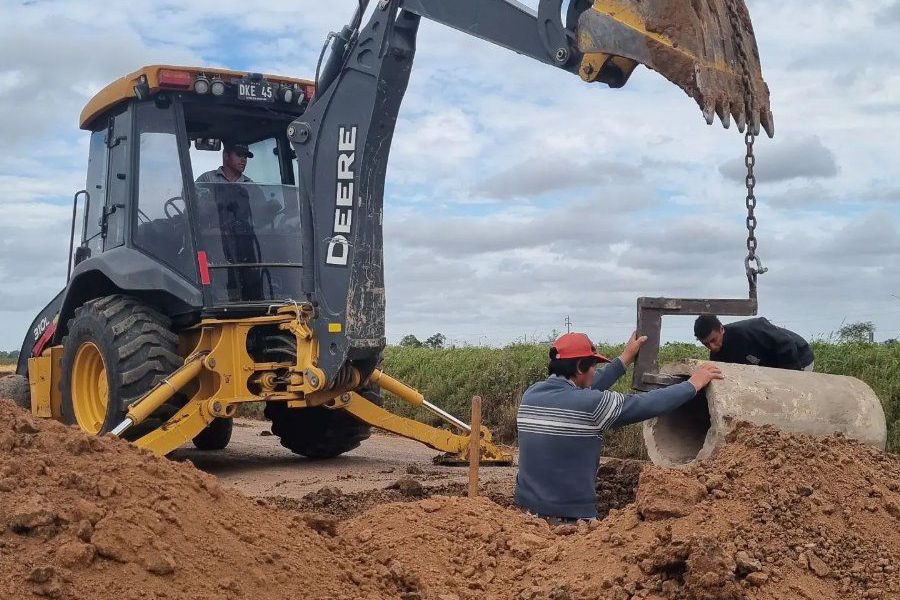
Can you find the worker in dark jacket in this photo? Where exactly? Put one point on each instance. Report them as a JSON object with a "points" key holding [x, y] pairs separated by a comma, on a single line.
{"points": [[754, 342], [561, 422]]}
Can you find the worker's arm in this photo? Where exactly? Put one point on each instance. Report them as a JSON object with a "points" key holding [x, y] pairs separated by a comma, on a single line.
{"points": [[606, 377], [647, 405]]}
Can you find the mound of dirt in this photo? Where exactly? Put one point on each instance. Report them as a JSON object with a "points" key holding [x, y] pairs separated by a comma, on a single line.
{"points": [[771, 516], [96, 518]]}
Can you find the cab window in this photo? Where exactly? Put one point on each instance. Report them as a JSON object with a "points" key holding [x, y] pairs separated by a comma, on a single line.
{"points": [[96, 188], [161, 227], [264, 168]]}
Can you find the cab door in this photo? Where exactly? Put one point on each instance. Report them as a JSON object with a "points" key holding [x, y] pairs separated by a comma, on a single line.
{"points": [[98, 167], [119, 180]]}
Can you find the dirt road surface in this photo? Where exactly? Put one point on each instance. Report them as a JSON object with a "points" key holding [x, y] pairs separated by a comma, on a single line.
{"points": [[258, 466]]}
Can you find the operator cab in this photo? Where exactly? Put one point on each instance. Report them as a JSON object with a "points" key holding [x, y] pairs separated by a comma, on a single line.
{"points": [[156, 185]]}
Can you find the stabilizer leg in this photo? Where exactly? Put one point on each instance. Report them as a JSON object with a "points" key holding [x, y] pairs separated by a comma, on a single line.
{"points": [[456, 446], [184, 426]]}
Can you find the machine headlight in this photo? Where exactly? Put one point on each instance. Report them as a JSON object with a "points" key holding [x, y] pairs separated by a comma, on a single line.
{"points": [[217, 87], [201, 85]]}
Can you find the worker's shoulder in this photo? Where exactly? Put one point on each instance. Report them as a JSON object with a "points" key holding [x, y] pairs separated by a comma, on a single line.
{"points": [[555, 392], [754, 323], [208, 177]]}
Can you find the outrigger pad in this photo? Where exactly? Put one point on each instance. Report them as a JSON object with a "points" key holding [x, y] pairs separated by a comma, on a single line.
{"points": [[449, 459], [696, 45]]}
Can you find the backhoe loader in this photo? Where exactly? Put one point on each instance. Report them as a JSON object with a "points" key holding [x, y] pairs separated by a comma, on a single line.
{"points": [[186, 298]]}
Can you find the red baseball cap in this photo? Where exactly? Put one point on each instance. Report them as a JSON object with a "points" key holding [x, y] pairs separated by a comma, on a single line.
{"points": [[577, 345]]}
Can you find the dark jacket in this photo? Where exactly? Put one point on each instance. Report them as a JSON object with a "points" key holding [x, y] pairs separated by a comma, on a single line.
{"points": [[758, 342], [561, 437]]}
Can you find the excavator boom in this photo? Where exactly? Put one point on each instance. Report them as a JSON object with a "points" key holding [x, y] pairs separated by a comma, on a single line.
{"points": [[343, 140]]}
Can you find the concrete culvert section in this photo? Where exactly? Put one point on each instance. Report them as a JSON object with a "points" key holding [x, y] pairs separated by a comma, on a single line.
{"points": [[794, 401]]}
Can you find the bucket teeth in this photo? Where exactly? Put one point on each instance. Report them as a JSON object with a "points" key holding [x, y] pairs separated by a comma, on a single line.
{"points": [[722, 109], [768, 122], [709, 113], [741, 120], [703, 47], [754, 123]]}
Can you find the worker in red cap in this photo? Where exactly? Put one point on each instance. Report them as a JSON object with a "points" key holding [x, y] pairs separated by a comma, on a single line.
{"points": [[561, 422]]}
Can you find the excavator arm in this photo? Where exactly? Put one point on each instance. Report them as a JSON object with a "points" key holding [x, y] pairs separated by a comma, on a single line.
{"points": [[343, 140]]}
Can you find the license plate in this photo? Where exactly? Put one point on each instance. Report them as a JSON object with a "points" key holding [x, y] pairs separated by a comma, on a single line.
{"points": [[256, 91]]}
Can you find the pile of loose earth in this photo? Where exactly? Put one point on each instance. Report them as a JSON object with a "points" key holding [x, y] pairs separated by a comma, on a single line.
{"points": [[97, 518], [770, 516]]}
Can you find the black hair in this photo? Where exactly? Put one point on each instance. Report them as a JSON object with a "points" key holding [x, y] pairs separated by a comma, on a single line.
{"points": [[569, 367], [705, 325]]}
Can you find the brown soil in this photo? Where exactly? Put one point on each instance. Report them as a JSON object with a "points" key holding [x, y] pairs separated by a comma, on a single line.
{"points": [[771, 516], [95, 518], [617, 482]]}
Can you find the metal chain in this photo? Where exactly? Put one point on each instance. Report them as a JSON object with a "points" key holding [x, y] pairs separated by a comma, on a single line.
{"points": [[752, 258], [752, 263]]}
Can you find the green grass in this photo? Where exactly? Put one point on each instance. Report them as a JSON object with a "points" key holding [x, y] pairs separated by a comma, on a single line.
{"points": [[878, 366], [449, 378]]}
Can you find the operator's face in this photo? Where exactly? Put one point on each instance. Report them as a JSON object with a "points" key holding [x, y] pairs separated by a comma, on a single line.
{"points": [[235, 161], [714, 340]]}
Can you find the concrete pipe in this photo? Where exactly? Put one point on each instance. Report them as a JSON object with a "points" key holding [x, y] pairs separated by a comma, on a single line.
{"points": [[794, 401]]}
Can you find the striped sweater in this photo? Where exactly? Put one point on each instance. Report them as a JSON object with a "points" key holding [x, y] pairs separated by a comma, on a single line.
{"points": [[561, 431]]}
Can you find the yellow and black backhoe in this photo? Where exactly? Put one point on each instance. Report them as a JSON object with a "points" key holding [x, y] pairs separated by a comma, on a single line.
{"points": [[189, 293]]}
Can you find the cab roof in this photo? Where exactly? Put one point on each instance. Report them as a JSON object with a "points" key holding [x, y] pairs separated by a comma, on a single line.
{"points": [[123, 89]]}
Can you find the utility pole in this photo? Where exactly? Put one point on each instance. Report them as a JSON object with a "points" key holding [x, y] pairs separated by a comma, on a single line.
{"points": [[568, 324]]}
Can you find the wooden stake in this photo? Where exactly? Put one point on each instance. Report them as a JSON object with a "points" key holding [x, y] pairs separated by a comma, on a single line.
{"points": [[475, 446]]}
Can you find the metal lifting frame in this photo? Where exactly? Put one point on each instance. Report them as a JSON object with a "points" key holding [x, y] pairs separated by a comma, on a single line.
{"points": [[649, 322]]}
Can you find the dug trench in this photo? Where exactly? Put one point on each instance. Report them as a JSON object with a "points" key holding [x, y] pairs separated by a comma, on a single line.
{"points": [[769, 516]]}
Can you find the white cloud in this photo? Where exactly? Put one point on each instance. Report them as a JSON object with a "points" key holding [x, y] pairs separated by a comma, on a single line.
{"points": [[516, 193], [798, 158]]}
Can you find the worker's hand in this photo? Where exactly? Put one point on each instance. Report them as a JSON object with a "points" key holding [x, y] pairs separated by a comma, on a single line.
{"points": [[632, 346], [704, 374]]}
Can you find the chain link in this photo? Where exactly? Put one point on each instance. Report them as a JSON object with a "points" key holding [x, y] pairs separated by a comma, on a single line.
{"points": [[752, 263]]}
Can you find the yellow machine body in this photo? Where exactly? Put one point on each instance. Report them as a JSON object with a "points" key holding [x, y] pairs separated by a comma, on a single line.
{"points": [[218, 374]]}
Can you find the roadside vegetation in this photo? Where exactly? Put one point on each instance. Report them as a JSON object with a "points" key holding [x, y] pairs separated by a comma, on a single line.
{"points": [[8, 361], [450, 377]]}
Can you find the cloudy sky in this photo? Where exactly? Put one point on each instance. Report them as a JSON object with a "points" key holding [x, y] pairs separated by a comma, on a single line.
{"points": [[517, 195]]}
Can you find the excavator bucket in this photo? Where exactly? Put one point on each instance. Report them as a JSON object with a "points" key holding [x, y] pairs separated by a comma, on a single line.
{"points": [[706, 47]]}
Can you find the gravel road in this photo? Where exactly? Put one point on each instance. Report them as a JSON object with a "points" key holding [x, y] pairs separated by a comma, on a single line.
{"points": [[257, 465]]}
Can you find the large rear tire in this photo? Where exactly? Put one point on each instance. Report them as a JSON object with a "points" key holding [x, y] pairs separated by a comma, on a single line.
{"points": [[216, 435], [316, 432], [115, 351]]}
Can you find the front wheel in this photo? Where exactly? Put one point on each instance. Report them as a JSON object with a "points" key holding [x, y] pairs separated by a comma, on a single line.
{"points": [[316, 432], [116, 350]]}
